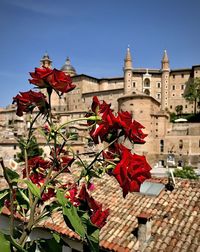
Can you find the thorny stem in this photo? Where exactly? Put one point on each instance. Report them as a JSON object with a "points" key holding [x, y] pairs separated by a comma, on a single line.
{"points": [[31, 222], [31, 127], [27, 175], [92, 118], [11, 196]]}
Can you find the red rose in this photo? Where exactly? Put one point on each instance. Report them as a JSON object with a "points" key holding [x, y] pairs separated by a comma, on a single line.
{"points": [[98, 216], [39, 77], [27, 101], [61, 159], [50, 192], [72, 194], [131, 171], [37, 169], [55, 79], [132, 129], [105, 129]]}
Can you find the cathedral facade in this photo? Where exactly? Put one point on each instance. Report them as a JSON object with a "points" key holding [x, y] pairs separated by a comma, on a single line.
{"points": [[148, 94]]}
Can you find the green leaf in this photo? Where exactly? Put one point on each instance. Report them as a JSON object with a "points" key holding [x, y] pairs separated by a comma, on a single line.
{"points": [[33, 188], [61, 197], [92, 234], [12, 175], [4, 243], [24, 196], [56, 237], [50, 245], [73, 220], [94, 118]]}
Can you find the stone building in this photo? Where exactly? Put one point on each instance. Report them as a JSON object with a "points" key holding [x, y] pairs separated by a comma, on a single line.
{"points": [[149, 94]]}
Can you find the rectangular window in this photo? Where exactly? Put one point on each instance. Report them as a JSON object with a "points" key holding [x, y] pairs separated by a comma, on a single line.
{"points": [[182, 87], [173, 87], [173, 76], [182, 75], [158, 85]]}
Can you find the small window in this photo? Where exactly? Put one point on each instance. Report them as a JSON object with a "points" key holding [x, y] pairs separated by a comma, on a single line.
{"points": [[173, 76], [134, 84], [182, 87], [182, 75], [180, 144], [171, 107], [173, 87], [158, 96], [14, 147], [185, 106], [158, 85]]}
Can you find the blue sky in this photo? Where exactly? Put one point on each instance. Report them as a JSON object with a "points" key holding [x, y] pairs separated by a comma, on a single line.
{"points": [[95, 35]]}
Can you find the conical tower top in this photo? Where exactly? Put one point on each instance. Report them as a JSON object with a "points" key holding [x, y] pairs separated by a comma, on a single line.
{"points": [[165, 61], [128, 60], [128, 54], [165, 57]]}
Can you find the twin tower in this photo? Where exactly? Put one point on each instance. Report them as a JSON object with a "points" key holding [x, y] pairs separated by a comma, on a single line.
{"points": [[164, 75]]}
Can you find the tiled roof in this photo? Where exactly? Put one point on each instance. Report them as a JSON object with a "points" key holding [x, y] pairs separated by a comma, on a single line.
{"points": [[175, 217]]}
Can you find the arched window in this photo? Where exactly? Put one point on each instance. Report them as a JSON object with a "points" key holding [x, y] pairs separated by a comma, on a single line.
{"points": [[147, 82], [147, 92]]}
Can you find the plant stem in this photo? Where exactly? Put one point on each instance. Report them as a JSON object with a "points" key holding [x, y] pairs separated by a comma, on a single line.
{"points": [[11, 196], [91, 118]]}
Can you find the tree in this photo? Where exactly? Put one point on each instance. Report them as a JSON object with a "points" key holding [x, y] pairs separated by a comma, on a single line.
{"points": [[192, 91], [32, 149], [187, 172], [179, 109]]}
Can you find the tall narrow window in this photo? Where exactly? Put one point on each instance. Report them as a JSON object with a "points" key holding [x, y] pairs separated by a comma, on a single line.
{"points": [[146, 83], [180, 144], [161, 145]]}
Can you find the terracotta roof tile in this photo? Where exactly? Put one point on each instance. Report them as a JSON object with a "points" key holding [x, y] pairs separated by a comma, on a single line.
{"points": [[175, 217]]}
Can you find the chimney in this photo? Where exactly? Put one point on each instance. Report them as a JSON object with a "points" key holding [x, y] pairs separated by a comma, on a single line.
{"points": [[144, 230]]}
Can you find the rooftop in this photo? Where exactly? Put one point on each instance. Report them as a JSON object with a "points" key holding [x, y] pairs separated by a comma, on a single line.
{"points": [[175, 217]]}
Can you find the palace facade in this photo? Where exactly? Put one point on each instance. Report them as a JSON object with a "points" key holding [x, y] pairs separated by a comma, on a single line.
{"points": [[148, 94]]}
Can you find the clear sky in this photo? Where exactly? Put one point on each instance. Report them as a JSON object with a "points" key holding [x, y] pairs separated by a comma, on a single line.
{"points": [[95, 35]]}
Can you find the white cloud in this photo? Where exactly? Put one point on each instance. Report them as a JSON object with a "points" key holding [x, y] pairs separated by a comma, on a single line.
{"points": [[45, 7]]}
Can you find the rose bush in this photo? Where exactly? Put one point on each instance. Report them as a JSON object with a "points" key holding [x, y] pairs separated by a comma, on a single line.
{"points": [[42, 178]]}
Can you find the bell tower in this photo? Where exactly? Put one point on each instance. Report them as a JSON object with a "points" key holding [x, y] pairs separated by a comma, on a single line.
{"points": [[165, 81], [46, 61], [127, 72]]}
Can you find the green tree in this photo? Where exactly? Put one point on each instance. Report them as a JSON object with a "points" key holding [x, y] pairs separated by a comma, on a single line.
{"points": [[192, 91], [187, 172], [32, 150], [179, 109]]}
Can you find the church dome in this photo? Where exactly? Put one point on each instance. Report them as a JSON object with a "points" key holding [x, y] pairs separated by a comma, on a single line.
{"points": [[68, 68]]}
